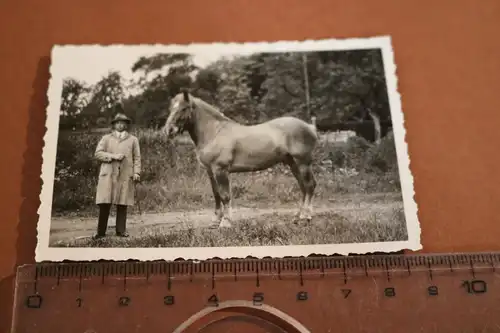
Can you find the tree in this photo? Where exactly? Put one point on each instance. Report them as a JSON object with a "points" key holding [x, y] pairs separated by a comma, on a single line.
{"points": [[107, 97], [284, 85], [342, 88], [207, 83], [73, 100], [371, 92], [352, 84], [162, 76]]}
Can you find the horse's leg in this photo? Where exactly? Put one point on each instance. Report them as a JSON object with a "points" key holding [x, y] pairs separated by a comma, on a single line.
{"points": [[222, 178], [218, 209], [305, 169], [296, 173]]}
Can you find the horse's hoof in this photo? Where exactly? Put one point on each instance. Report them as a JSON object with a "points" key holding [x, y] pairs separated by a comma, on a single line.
{"points": [[213, 225], [303, 218], [225, 224], [216, 219]]}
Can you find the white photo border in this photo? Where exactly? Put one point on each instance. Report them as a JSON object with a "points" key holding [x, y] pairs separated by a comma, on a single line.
{"points": [[60, 61]]}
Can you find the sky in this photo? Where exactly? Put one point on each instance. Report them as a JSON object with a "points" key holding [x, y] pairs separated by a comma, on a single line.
{"points": [[91, 65]]}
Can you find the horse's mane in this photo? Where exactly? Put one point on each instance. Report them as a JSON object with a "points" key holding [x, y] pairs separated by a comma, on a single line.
{"points": [[211, 109]]}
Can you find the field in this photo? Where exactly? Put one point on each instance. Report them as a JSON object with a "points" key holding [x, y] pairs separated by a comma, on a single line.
{"points": [[358, 198]]}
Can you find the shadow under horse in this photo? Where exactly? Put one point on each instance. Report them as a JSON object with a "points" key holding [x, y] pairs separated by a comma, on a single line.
{"points": [[224, 146]]}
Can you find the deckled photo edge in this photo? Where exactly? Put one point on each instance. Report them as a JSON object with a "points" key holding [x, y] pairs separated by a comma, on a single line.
{"points": [[45, 253], [49, 154], [399, 130]]}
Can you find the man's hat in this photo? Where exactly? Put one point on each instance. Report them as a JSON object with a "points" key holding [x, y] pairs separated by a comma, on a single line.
{"points": [[122, 117]]}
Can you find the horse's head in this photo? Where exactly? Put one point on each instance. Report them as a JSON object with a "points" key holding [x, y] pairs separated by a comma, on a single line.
{"points": [[181, 108]]}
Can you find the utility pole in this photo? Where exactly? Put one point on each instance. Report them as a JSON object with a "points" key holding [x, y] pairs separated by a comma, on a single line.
{"points": [[306, 89]]}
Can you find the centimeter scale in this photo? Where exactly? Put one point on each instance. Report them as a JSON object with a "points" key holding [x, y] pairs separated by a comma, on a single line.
{"points": [[385, 293]]}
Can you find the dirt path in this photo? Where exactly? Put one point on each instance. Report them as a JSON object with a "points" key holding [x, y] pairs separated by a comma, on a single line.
{"points": [[64, 228]]}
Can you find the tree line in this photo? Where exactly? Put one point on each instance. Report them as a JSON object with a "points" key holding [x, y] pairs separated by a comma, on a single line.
{"points": [[345, 90]]}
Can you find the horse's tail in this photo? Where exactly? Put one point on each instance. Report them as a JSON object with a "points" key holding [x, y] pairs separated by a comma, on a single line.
{"points": [[314, 125], [313, 122]]}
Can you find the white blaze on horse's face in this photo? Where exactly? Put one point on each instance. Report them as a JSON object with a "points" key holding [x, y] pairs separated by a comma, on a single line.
{"points": [[179, 113]]}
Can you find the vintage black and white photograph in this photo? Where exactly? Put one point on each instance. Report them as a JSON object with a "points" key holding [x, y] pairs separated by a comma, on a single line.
{"points": [[197, 151]]}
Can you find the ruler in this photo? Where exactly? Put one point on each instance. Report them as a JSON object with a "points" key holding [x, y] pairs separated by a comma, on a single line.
{"points": [[375, 293]]}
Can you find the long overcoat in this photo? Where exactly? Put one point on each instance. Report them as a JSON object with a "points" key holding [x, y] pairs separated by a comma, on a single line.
{"points": [[116, 184]]}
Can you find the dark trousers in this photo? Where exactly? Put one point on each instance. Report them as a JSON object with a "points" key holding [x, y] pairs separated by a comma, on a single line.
{"points": [[121, 219]]}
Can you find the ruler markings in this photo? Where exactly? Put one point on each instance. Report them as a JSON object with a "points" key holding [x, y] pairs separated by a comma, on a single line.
{"points": [[176, 268], [64, 272], [471, 286], [323, 272], [434, 276]]}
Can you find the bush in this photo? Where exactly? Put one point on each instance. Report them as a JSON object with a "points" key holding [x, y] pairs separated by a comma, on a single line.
{"points": [[351, 154], [382, 158], [75, 173], [172, 178]]}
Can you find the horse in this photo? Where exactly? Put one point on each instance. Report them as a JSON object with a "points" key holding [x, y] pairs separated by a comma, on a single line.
{"points": [[224, 146]]}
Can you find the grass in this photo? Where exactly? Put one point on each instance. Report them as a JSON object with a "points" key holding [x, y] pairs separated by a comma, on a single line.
{"points": [[268, 230], [172, 180]]}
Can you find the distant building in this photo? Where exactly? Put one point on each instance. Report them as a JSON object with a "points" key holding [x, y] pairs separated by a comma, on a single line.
{"points": [[337, 136]]}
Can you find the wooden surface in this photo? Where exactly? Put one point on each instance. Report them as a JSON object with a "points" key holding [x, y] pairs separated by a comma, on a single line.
{"points": [[448, 59]]}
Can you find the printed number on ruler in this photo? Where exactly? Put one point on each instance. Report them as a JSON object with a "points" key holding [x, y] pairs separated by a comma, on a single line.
{"points": [[469, 286]]}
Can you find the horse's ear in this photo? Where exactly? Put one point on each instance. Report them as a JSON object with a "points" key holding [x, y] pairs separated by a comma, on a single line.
{"points": [[186, 95]]}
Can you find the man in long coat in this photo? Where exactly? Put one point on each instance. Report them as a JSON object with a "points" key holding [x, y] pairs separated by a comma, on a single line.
{"points": [[120, 158]]}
